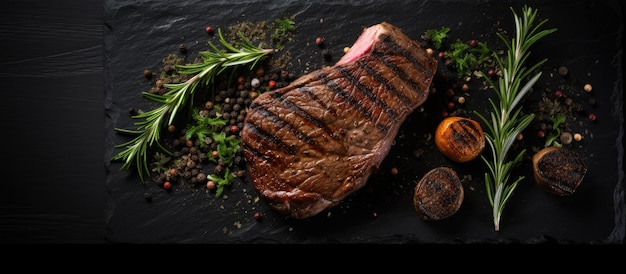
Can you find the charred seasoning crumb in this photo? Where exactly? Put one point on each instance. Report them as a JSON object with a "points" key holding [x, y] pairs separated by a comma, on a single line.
{"points": [[148, 197], [327, 55]]}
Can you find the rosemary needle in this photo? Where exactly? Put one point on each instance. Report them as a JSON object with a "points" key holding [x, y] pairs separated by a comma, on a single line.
{"points": [[507, 121], [178, 96]]}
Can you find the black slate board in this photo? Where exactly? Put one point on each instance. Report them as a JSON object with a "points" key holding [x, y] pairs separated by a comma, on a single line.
{"points": [[138, 34], [52, 96]]}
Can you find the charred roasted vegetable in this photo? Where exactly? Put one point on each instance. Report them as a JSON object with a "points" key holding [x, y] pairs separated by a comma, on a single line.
{"points": [[438, 194], [460, 139], [558, 170]]}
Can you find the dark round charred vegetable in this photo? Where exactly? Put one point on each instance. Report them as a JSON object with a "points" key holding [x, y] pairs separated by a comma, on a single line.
{"points": [[438, 194], [460, 139], [558, 170]]}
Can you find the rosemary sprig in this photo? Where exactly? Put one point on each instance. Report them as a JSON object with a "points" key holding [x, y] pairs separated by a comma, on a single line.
{"points": [[148, 131], [507, 121]]}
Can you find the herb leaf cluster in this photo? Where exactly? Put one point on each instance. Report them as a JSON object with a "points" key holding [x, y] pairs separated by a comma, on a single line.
{"points": [[460, 56], [557, 121], [436, 36], [465, 58], [506, 120]]}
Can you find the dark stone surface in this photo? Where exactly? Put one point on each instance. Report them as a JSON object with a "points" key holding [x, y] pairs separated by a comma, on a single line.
{"points": [[72, 69]]}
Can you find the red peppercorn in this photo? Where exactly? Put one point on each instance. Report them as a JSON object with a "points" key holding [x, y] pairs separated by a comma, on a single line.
{"points": [[558, 94], [209, 29], [319, 41], [451, 105], [592, 117], [519, 136], [257, 216], [450, 92], [473, 43], [491, 73], [442, 54], [167, 185], [444, 114], [214, 154], [234, 128], [272, 84], [541, 134]]}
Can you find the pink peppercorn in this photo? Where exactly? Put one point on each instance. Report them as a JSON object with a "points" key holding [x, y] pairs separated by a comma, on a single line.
{"points": [[592, 117], [558, 94]]}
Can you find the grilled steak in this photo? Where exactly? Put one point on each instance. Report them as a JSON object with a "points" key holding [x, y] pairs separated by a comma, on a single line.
{"points": [[314, 142]]}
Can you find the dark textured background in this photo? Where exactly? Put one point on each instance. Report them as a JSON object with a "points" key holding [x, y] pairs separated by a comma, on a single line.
{"points": [[64, 60], [52, 92]]}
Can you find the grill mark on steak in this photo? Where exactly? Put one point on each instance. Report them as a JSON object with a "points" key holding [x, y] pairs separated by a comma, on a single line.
{"points": [[368, 92], [382, 81], [282, 124], [388, 40], [290, 105], [401, 74], [261, 135], [308, 92], [323, 77], [264, 135]]}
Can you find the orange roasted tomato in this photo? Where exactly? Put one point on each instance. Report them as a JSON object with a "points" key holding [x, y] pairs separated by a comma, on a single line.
{"points": [[460, 139]]}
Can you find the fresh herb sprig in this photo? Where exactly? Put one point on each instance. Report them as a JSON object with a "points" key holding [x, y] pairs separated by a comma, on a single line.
{"points": [[215, 61], [556, 120], [507, 120], [436, 36], [283, 27], [222, 182]]}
